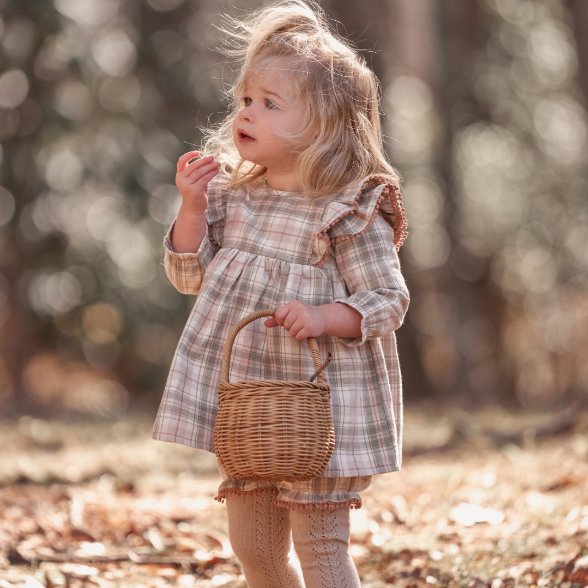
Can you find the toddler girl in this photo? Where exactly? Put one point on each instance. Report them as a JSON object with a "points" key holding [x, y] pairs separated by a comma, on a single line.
{"points": [[300, 212]]}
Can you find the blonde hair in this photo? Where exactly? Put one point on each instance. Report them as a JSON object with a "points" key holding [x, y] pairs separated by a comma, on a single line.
{"points": [[341, 92]]}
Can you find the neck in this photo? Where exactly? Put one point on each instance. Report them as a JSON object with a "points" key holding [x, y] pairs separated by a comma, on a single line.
{"points": [[286, 181]]}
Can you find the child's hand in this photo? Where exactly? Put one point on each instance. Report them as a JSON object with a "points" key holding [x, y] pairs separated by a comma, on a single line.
{"points": [[299, 319], [192, 180]]}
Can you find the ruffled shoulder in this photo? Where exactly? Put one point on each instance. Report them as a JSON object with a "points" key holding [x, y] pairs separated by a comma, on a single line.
{"points": [[356, 208]]}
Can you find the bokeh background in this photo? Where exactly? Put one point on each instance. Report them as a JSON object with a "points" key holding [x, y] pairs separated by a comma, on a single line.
{"points": [[484, 107]]}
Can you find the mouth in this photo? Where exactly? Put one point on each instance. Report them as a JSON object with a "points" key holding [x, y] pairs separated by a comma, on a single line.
{"points": [[243, 137]]}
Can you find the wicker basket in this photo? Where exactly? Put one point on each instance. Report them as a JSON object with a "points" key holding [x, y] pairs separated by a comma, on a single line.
{"points": [[273, 430]]}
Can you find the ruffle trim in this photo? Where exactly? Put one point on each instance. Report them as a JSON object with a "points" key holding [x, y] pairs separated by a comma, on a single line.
{"points": [[352, 503], [399, 224], [214, 241], [222, 494]]}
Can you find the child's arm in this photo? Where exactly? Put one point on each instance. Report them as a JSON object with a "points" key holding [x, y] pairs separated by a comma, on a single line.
{"points": [[187, 251], [378, 296], [369, 264], [192, 181]]}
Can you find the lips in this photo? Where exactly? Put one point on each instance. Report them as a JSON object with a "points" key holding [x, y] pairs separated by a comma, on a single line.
{"points": [[244, 137]]}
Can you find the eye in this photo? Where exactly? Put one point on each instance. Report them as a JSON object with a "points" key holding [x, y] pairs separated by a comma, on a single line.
{"points": [[247, 101], [269, 103]]}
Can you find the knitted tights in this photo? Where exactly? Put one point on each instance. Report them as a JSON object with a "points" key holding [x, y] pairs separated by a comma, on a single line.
{"points": [[261, 533]]}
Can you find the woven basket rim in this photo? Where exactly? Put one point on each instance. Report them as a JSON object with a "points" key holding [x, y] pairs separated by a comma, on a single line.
{"points": [[282, 383]]}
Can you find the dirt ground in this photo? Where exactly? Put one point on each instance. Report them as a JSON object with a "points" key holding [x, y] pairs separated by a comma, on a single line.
{"points": [[484, 499]]}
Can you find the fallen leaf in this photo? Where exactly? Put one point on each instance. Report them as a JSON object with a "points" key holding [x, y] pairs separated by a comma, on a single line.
{"points": [[577, 570]]}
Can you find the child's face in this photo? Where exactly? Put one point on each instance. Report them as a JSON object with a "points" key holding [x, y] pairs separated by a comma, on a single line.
{"points": [[268, 112]]}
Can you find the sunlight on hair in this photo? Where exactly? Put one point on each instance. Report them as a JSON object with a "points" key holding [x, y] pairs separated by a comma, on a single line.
{"points": [[341, 92]]}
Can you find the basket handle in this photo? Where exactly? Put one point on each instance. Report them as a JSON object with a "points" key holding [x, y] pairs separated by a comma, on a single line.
{"points": [[316, 356]]}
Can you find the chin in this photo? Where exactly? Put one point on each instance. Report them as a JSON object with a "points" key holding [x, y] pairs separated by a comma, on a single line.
{"points": [[249, 159]]}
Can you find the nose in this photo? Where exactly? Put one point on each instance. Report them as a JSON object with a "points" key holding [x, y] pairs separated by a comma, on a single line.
{"points": [[245, 114]]}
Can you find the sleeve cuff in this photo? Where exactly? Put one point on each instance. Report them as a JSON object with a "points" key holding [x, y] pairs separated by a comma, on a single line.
{"points": [[186, 270], [355, 341], [382, 312]]}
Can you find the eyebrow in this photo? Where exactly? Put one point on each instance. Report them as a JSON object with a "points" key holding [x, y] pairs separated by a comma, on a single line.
{"points": [[272, 93]]}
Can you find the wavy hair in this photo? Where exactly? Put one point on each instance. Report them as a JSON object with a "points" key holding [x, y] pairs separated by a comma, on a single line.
{"points": [[341, 92]]}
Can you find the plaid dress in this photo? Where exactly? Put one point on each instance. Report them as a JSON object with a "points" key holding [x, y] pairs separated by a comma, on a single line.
{"points": [[265, 248]]}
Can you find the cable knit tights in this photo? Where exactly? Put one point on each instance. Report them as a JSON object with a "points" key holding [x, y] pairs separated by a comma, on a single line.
{"points": [[261, 533]]}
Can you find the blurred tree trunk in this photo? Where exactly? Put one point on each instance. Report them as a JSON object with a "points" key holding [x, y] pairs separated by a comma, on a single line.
{"points": [[579, 10], [435, 42], [21, 336], [464, 34], [413, 38]]}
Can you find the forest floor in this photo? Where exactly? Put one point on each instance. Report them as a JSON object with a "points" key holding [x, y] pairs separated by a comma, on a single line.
{"points": [[485, 499]]}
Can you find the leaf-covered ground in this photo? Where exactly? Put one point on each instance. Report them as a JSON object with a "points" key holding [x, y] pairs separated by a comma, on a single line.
{"points": [[484, 499]]}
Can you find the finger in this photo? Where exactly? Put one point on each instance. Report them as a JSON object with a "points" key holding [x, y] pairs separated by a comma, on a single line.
{"points": [[195, 164], [195, 173], [281, 314], [200, 164], [295, 330], [300, 326], [183, 160], [289, 322], [295, 319], [306, 332], [200, 182], [271, 322], [301, 335]]}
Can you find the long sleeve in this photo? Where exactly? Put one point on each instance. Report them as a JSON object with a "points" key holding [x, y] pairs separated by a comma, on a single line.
{"points": [[186, 270], [370, 267]]}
